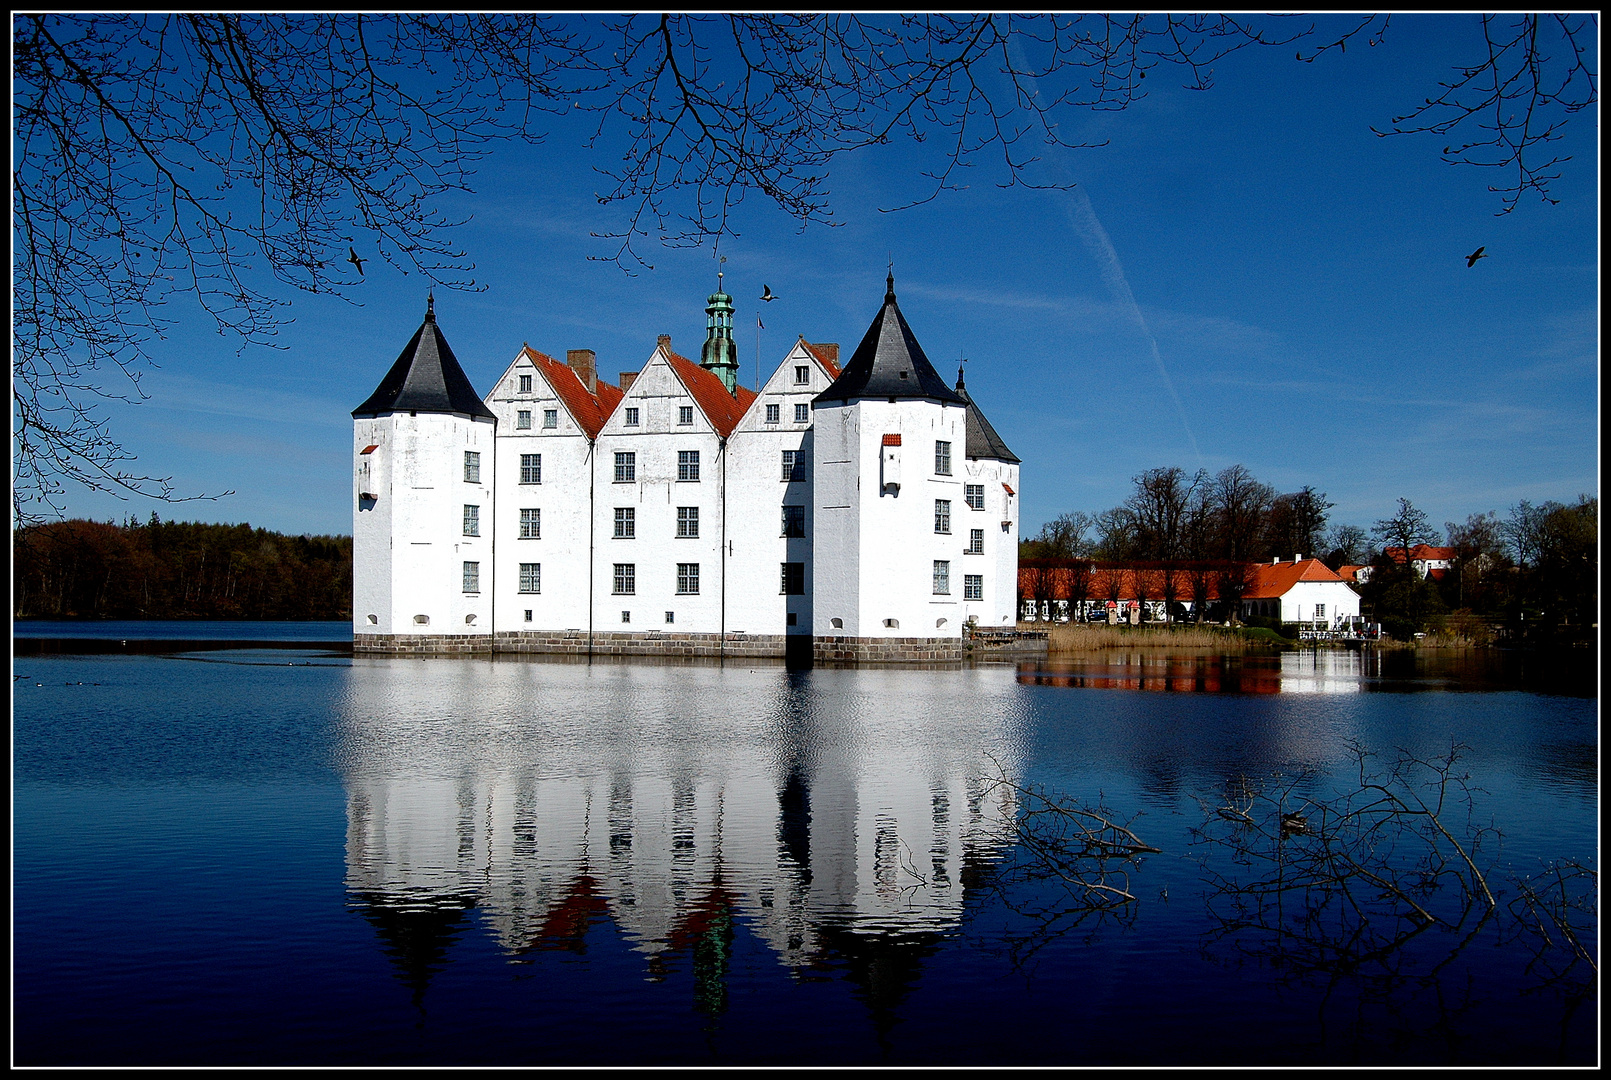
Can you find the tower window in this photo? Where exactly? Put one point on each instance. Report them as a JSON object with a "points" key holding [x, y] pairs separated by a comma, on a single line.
{"points": [[523, 419], [942, 458], [973, 586], [975, 494], [771, 414], [550, 418], [626, 582], [688, 521], [531, 578], [793, 579], [794, 521], [472, 467], [472, 577], [975, 541], [531, 524], [802, 413], [472, 520], [942, 577], [525, 384], [685, 414], [626, 522], [626, 467], [942, 515], [687, 579], [687, 464], [531, 468]]}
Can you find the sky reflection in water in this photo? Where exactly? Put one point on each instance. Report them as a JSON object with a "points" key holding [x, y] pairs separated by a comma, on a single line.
{"points": [[470, 861]]}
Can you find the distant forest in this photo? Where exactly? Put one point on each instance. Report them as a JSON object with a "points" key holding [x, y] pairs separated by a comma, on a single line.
{"points": [[177, 570]]}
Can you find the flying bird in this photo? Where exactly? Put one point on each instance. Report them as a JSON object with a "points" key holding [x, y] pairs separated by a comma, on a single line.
{"points": [[766, 293], [1471, 260], [352, 257]]}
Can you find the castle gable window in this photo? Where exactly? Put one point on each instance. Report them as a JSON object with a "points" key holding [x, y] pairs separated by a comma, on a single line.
{"points": [[687, 464], [626, 522], [626, 467], [550, 418], [975, 495], [472, 467], [688, 521], [942, 458], [531, 468], [523, 420]]}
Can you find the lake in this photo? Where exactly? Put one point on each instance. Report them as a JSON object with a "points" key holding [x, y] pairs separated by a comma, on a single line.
{"points": [[283, 855]]}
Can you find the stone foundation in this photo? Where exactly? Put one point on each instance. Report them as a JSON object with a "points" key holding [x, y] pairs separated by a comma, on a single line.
{"points": [[421, 644], [891, 650], [712, 646]]}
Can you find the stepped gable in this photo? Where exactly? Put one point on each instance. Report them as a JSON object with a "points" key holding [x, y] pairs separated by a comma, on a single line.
{"points": [[590, 411], [722, 409], [426, 378], [889, 363], [983, 442]]}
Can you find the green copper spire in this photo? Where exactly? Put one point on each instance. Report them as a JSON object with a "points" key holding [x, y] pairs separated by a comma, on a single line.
{"points": [[720, 354]]}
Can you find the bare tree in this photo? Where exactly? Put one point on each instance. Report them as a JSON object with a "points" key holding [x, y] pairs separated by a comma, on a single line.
{"points": [[1346, 546], [1158, 508], [1404, 530], [1242, 504]]}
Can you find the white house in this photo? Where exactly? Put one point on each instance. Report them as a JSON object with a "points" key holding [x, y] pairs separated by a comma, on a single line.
{"points": [[1301, 591], [864, 512]]}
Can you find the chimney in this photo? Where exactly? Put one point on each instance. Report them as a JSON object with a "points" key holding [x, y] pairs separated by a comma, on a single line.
{"points": [[829, 349], [1298, 557], [1275, 560], [581, 361], [664, 341], [627, 379]]}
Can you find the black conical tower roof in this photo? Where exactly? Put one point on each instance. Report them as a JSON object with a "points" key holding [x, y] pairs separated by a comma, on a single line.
{"points": [[426, 378], [983, 442], [889, 363]]}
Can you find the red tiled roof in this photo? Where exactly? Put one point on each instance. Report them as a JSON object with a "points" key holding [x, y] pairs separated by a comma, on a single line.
{"points": [[892, 440], [828, 365], [1420, 552], [722, 409], [1349, 573], [1277, 579], [590, 411]]}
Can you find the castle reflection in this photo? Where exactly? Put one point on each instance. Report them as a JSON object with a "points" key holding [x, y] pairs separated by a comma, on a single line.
{"points": [[1333, 671], [834, 822]]}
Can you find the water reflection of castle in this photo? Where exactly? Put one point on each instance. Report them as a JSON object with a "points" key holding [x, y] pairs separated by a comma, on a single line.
{"points": [[671, 801]]}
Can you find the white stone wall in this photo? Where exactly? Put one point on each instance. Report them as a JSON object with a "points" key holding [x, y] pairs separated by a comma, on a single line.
{"points": [[998, 565], [875, 547], [1298, 603], [755, 600], [561, 550], [654, 496], [410, 557]]}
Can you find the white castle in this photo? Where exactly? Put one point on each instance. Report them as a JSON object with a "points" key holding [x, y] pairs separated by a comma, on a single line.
{"points": [[867, 512]]}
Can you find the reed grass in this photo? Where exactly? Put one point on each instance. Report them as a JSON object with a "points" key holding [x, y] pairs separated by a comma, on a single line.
{"points": [[1083, 637]]}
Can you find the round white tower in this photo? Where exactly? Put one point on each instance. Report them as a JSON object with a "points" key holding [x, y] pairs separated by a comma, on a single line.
{"points": [[422, 537]]}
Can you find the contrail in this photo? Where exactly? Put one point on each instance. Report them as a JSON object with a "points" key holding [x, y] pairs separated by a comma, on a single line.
{"points": [[1082, 216]]}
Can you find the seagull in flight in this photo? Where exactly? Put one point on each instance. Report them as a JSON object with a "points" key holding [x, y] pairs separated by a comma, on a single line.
{"points": [[766, 293], [352, 257], [1471, 260]]}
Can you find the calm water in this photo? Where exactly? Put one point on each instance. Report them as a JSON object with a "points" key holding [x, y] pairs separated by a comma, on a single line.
{"points": [[281, 856]]}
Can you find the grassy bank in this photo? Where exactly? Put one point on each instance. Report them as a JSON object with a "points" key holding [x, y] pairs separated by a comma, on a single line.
{"points": [[1082, 637]]}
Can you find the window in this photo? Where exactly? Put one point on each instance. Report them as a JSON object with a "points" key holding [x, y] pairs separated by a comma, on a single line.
{"points": [[975, 494], [550, 418], [472, 520], [525, 384], [771, 414], [687, 521], [794, 579], [472, 577], [523, 420], [942, 515], [531, 524], [802, 374], [531, 468], [626, 467], [1320, 611], [687, 579], [942, 458], [973, 586], [626, 522], [632, 418], [942, 577], [472, 467], [671, 616], [794, 464], [626, 616], [802, 413], [626, 582], [531, 577], [975, 541], [794, 521], [528, 614], [687, 464], [685, 414]]}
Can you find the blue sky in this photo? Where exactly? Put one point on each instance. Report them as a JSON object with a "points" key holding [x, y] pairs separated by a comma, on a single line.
{"points": [[1243, 275]]}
